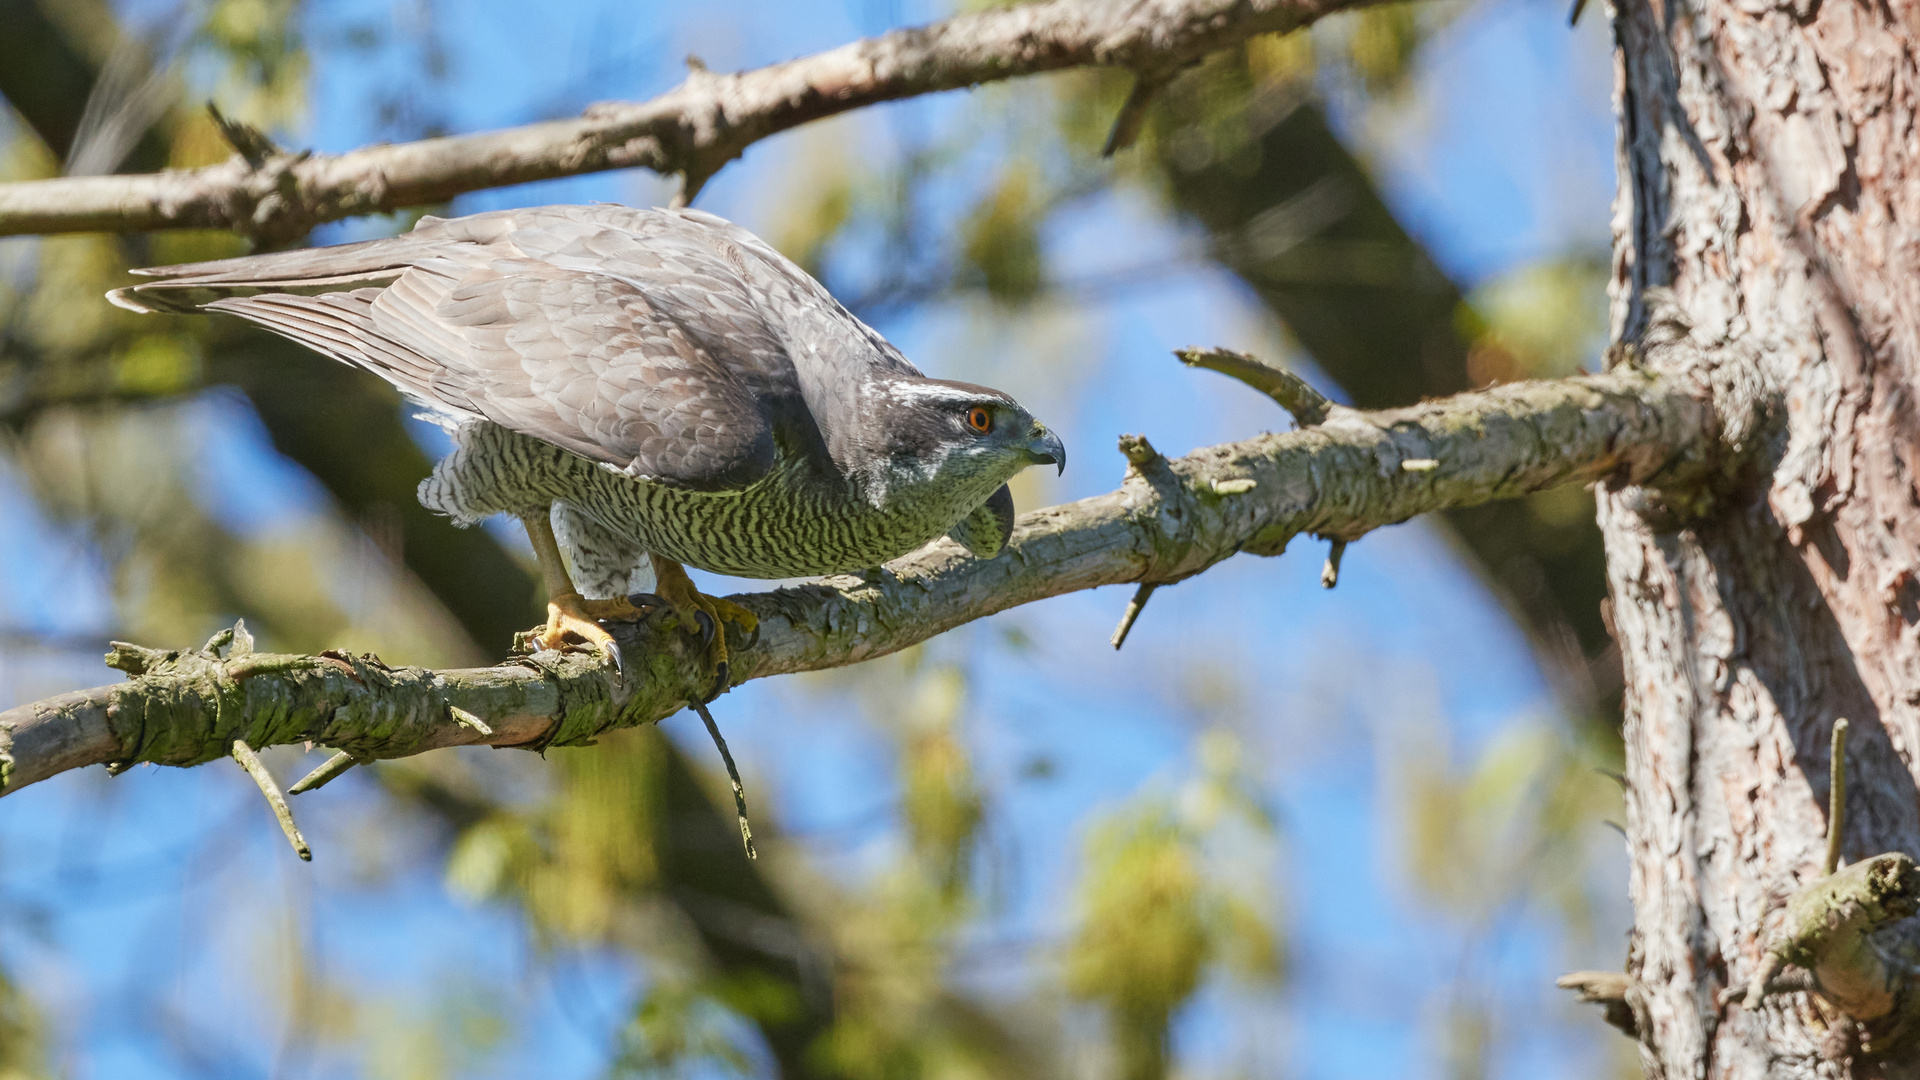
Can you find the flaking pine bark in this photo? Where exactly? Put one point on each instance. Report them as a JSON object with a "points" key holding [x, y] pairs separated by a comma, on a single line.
{"points": [[1770, 182]]}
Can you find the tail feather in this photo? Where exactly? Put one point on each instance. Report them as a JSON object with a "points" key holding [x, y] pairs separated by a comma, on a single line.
{"points": [[324, 299], [189, 287]]}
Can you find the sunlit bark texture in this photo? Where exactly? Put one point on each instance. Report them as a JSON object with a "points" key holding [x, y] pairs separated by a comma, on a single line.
{"points": [[1767, 160]]}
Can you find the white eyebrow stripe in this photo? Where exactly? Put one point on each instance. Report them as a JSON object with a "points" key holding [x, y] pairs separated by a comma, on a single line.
{"points": [[936, 392]]}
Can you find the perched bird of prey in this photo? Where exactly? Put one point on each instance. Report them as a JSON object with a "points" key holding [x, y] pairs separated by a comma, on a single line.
{"points": [[643, 388]]}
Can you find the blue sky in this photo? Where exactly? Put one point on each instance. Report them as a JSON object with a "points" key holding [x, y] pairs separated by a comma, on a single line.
{"points": [[1501, 155]]}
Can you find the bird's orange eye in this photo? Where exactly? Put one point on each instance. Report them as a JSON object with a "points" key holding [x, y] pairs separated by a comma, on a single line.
{"points": [[979, 419]]}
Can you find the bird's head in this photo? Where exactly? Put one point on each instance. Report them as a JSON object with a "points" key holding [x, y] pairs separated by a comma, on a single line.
{"points": [[954, 437]]}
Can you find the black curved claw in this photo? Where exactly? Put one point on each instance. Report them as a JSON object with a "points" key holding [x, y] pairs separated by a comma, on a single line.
{"points": [[722, 679], [707, 626], [619, 665], [647, 600]]}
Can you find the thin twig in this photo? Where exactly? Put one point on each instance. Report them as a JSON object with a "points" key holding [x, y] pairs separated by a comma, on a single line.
{"points": [[329, 770], [1133, 113], [1761, 984], [1134, 607], [250, 761], [250, 142], [1836, 795], [733, 774], [692, 179], [1756, 989], [1330, 573]]}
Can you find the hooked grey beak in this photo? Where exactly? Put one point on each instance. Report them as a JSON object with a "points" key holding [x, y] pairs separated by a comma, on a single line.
{"points": [[1045, 448]]}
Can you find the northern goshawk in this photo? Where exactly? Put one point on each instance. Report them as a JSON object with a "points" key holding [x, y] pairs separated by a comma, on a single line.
{"points": [[643, 388]]}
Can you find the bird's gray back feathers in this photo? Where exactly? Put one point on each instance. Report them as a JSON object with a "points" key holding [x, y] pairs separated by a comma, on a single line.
{"points": [[672, 345]]}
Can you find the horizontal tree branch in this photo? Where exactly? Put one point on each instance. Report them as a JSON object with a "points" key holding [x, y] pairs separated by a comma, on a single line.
{"points": [[693, 129], [1168, 520]]}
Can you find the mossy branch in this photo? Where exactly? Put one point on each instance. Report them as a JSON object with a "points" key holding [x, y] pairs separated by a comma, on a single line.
{"points": [[1826, 944], [1829, 926], [1170, 519]]}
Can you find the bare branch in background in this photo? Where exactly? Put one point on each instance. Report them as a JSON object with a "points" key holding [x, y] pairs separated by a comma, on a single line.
{"points": [[1340, 479], [1133, 112], [693, 129]]}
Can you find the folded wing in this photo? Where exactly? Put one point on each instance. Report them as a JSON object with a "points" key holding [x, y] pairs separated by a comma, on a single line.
{"points": [[659, 363]]}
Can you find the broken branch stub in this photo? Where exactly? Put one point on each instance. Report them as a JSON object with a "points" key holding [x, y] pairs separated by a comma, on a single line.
{"points": [[1307, 405], [1828, 931], [1611, 990]]}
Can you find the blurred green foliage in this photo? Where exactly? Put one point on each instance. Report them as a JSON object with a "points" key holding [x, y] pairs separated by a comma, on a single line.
{"points": [[22, 1053], [1001, 241], [265, 67], [572, 861], [941, 801], [1161, 905], [1545, 320]]}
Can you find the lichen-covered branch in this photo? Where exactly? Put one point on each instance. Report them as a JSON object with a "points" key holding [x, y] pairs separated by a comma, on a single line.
{"points": [[1826, 942], [1170, 519], [693, 129], [1828, 934]]}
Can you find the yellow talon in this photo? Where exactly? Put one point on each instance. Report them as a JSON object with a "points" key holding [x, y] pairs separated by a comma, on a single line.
{"points": [[571, 615], [688, 603]]}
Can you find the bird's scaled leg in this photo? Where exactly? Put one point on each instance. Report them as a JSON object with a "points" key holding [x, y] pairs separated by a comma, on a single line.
{"points": [[568, 613], [701, 614]]}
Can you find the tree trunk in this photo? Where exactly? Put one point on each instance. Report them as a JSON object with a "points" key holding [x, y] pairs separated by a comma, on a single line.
{"points": [[1768, 177]]}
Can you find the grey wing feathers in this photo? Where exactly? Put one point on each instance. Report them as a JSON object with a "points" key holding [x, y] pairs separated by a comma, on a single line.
{"points": [[621, 335], [588, 362], [674, 249], [340, 325]]}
